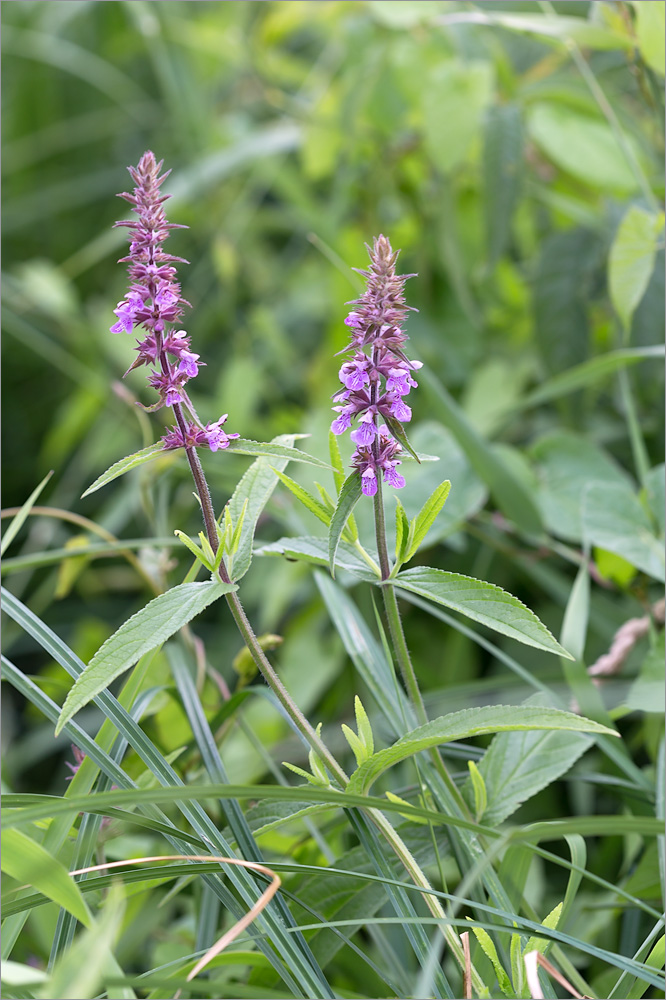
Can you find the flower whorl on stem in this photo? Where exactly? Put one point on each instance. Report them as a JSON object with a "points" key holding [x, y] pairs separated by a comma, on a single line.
{"points": [[154, 304], [377, 382]]}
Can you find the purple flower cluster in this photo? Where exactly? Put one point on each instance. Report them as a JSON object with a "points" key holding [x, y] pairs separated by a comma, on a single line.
{"points": [[377, 380], [154, 305]]}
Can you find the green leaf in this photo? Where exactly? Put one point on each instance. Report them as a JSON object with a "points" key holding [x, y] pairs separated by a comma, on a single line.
{"points": [[28, 862], [511, 494], [194, 549], [426, 517], [453, 106], [550, 923], [256, 486], [336, 460], [313, 505], [145, 630], [631, 259], [401, 530], [128, 463], [614, 519], [17, 521], [502, 174], [589, 373], [518, 765], [463, 725], [489, 949], [272, 449], [399, 433], [482, 602], [479, 789], [315, 550], [349, 495], [583, 146], [650, 32], [567, 464]]}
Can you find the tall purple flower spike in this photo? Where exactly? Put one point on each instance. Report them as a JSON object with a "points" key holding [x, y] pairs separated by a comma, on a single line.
{"points": [[154, 305], [379, 374]]}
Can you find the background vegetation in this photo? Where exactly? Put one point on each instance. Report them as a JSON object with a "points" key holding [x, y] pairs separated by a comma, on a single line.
{"points": [[514, 151]]}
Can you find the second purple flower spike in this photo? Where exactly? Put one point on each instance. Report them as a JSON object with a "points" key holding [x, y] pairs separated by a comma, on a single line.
{"points": [[379, 375]]}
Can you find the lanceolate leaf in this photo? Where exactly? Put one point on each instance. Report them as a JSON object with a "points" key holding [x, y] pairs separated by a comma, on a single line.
{"points": [[483, 602], [426, 516], [315, 506], [349, 494], [518, 765], [463, 725], [240, 446], [272, 449], [256, 486], [145, 630], [27, 861], [315, 550], [125, 465]]}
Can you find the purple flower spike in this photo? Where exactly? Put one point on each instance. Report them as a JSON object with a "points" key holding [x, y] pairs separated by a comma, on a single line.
{"points": [[154, 304], [379, 374]]}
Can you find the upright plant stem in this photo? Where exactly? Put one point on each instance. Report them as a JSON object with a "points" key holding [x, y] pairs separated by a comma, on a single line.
{"points": [[246, 629], [401, 649], [381, 822]]}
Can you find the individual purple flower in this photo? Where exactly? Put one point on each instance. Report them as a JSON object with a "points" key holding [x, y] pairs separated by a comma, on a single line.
{"points": [[379, 374], [189, 364], [211, 435], [369, 481], [154, 305], [366, 431]]}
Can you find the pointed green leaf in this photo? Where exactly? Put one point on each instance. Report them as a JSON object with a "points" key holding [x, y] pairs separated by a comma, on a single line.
{"points": [[194, 549], [426, 517], [315, 550], [349, 495], [401, 530], [336, 460], [363, 726], [256, 486], [273, 449], [17, 521], [313, 505], [489, 949], [482, 602], [631, 259], [479, 789], [145, 630], [463, 725], [27, 861], [398, 432], [128, 463]]}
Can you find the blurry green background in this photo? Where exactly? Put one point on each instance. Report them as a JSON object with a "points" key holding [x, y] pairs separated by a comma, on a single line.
{"points": [[474, 135]]}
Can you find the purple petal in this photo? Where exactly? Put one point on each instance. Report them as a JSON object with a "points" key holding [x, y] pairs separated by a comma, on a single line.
{"points": [[369, 482]]}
